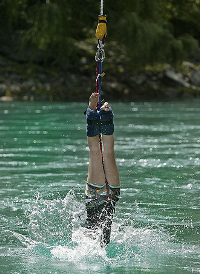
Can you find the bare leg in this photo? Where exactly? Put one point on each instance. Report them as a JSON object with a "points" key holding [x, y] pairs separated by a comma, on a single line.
{"points": [[111, 170], [96, 174]]}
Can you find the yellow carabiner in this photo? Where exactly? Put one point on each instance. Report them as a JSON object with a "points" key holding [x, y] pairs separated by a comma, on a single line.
{"points": [[101, 30]]}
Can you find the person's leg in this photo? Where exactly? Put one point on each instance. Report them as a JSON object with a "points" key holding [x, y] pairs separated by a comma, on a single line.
{"points": [[96, 174], [110, 167], [95, 193], [95, 170]]}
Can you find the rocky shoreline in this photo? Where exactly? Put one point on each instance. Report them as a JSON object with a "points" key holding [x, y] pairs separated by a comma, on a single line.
{"points": [[25, 81]]}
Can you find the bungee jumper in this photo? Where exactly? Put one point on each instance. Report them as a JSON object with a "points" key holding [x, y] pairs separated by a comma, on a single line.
{"points": [[103, 184]]}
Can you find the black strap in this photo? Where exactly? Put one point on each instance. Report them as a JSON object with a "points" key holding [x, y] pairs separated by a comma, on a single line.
{"points": [[102, 21], [99, 122]]}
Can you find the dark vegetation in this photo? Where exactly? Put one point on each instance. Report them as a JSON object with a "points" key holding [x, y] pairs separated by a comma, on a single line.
{"points": [[47, 49]]}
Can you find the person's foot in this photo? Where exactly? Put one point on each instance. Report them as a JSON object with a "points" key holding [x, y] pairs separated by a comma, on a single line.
{"points": [[93, 100], [105, 107]]}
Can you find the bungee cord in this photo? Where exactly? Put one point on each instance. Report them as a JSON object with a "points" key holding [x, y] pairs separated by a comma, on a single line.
{"points": [[101, 8], [101, 33]]}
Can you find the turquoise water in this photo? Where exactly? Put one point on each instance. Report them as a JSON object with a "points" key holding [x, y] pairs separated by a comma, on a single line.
{"points": [[43, 170]]}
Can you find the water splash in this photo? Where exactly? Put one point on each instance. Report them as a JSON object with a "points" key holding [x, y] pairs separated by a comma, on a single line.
{"points": [[51, 220], [56, 236]]}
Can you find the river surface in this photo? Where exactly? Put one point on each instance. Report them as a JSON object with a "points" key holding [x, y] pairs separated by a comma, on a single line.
{"points": [[43, 171]]}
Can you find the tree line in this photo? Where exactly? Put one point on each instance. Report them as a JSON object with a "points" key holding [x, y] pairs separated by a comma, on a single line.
{"points": [[147, 32]]}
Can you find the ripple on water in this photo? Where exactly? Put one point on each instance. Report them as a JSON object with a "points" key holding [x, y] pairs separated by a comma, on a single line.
{"points": [[44, 154]]}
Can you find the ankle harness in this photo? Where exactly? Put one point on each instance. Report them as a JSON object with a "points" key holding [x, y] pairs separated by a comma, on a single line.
{"points": [[99, 122]]}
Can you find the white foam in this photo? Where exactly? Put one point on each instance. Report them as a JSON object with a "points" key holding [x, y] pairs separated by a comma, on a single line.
{"points": [[87, 246]]}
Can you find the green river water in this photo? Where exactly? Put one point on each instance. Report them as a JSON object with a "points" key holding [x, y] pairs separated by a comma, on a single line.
{"points": [[43, 171]]}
